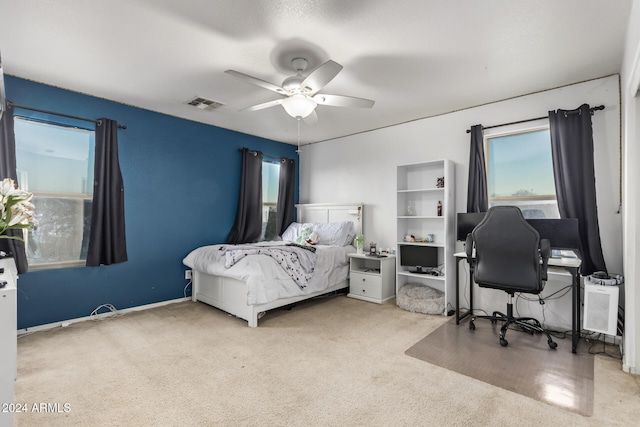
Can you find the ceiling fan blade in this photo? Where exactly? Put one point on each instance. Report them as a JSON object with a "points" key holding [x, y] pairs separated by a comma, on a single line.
{"points": [[343, 101], [263, 105], [312, 118], [321, 76], [256, 81]]}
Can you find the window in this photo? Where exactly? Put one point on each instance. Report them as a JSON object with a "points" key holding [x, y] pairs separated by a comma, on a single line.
{"points": [[520, 172], [55, 163], [270, 185]]}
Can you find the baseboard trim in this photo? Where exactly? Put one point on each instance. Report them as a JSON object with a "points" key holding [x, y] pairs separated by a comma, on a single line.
{"points": [[66, 323]]}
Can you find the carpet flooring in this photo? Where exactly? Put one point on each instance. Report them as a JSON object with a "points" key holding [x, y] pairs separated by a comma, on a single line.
{"points": [[329, 362], [527, 366]]}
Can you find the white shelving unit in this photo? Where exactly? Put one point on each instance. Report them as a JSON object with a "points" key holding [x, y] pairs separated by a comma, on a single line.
{"points": [[8, 338], [418, 195]]}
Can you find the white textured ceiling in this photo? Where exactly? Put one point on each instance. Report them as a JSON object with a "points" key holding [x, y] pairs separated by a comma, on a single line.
{"points": [[415, 58]]}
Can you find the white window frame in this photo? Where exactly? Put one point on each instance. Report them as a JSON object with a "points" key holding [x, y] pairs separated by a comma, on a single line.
{"points": [[267, 205], [518, 129], [23, 178]]}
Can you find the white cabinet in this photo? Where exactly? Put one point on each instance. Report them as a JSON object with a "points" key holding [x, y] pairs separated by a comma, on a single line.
{"points": [[8, 338], [426, 219], [371, 279]]}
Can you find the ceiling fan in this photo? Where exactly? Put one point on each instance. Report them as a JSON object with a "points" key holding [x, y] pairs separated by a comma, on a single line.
{"points": [[300, 93]]}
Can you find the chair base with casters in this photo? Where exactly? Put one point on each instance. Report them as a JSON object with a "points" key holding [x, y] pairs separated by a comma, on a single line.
{"points": [[526, 324]]}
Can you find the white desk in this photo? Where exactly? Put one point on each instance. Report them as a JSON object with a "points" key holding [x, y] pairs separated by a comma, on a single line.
{"points": [[572, 265]]}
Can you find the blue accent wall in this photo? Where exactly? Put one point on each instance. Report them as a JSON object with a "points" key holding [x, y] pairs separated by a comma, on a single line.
{"points": [[181, 180]]}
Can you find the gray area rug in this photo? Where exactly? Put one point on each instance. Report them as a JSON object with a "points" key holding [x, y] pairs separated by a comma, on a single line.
{"points": [[527, 366]]}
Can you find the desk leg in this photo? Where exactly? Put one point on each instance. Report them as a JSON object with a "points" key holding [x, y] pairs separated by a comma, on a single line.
{"points": [[468, 313], [575, 327], [471, 268], [458, 317]]}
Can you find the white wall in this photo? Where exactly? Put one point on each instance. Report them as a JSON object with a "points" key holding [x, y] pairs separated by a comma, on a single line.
{"points": [[630, 76], [362, 168]]}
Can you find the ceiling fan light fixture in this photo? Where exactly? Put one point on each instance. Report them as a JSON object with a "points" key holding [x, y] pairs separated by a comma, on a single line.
{"points": [[301, 92], [299, 105]]}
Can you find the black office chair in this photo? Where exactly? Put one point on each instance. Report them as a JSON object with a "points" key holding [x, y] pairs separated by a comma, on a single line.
{"points": [[509, 256]]}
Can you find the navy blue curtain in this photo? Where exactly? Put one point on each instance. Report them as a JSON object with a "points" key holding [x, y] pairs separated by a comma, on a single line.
{"points": [[107, 238], [573, 169], [12, 247], [477, 195], [285, 205], [247, 227]]}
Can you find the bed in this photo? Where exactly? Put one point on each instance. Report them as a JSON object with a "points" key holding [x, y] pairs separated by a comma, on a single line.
{"points": [[249, 286]]}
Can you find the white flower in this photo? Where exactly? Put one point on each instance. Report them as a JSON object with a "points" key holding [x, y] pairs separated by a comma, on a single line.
{"points": [[16, 209], [8, 188]]}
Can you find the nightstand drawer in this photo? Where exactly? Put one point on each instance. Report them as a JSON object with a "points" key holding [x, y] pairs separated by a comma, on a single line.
{"points": [[367, 285]]}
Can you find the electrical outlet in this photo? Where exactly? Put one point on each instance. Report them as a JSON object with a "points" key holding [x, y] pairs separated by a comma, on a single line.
{"points": [[187, 274]]}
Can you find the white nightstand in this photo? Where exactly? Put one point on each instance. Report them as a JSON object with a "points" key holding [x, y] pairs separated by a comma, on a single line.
{"points": [[372, 279]]}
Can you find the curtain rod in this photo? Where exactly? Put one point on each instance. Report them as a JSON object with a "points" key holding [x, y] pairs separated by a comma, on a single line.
{"points": [[58, 114], [600, 107], [255, 153]]}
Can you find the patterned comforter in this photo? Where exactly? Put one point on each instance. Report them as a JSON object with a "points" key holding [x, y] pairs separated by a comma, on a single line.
{"points": [[296, 260]]}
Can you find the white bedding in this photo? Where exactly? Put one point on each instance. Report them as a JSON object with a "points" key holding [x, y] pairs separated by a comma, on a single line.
{"points": [[266, 280]]}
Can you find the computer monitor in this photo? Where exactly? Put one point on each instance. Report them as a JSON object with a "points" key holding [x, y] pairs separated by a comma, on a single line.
{"points": [[467, 222], [422, 259], [562, 233]]}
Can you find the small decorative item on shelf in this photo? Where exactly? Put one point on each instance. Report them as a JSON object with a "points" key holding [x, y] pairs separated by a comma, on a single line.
{"points": [[358, 242], [16, 209], [431, 238], [372, 248], [439, 208], [411, 208], [440, 182]]}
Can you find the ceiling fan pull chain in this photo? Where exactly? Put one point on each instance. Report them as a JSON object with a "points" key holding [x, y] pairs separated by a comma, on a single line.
{"points": [[298, 120]]}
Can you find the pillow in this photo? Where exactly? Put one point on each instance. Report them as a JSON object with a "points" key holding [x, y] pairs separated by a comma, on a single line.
{"points": [[334, 233], [294, 231]]}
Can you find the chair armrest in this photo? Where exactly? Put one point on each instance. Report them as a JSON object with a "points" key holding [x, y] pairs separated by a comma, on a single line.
{"points": [[468, 247], [545, 253]]}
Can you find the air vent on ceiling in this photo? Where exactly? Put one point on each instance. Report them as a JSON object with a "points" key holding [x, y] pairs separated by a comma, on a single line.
{"points": [[204, 104]]}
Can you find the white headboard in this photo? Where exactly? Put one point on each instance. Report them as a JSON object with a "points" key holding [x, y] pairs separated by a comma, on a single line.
{"points": [[330, 212]]}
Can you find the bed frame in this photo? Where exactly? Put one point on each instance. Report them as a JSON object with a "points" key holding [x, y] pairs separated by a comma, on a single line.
{"points": [[230, 294]]}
